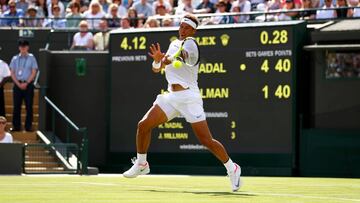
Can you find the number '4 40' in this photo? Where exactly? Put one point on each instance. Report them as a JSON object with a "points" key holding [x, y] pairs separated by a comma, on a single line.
{"points": [[282, 65]]}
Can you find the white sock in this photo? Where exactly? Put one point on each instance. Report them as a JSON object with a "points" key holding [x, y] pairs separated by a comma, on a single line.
{"points": [[229, 165], [141, 158]]}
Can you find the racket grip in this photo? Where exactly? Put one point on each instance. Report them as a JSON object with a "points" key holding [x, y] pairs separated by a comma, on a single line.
{"points": [[171, 58], [175, 57]]}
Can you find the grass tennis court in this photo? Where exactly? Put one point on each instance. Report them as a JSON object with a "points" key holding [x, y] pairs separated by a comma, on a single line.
{"points": [[172, 189]]}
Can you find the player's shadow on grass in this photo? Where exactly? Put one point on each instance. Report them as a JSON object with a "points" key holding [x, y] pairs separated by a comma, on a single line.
{"points": [[227, 194]]}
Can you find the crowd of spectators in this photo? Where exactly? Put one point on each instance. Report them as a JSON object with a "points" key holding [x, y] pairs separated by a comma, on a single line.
{"points": [[158, 13], [343, 65]]}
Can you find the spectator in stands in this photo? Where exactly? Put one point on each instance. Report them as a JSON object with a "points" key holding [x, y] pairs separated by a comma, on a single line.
{"points": [[356, 64], [236, 9], [133, 17], [327, 13], [112, 16], [263, 8], [341, 9], [83, 40], [273, 5], [31, 18], [4, 75], [322, 3], [105, 5], [160, 13], [254, 3], [356, 11], [122, 11], [241, 6], [22, 5], [12, 14], [5, 137], [73, 18], [126, 3], [3, 6], [185, 7], [161, 10], [41, 8], [56, 21], [314, 3], [167, 22], [307, 14], [151, 23], [205, 7], [56, 3], [221, 19], [94, 14], [164, 3], [297, 3], [228, 5], [101, 39], [23, 68], [141, 21], [290, 5], [125, 22], [143, 7], [83, 6]]}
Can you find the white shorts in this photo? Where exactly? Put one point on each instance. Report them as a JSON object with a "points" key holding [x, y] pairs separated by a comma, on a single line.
{"points": [[186, 103]]}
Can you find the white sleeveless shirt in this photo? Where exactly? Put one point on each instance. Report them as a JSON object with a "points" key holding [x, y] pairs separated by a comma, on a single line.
{"points": [[185, 76]]}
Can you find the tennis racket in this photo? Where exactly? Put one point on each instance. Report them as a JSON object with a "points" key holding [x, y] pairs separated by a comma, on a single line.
{"points": [[188, 53]]}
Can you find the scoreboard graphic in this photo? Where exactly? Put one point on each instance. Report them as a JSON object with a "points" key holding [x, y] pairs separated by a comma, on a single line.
{"points": [[247, 78]]}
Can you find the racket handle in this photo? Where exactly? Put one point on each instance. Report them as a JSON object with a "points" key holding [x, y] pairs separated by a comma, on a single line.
{"points": [[174, 57], [171, 58]]}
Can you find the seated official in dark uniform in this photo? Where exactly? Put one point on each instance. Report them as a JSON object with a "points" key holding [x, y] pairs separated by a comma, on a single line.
{"points": [[23, 68]]}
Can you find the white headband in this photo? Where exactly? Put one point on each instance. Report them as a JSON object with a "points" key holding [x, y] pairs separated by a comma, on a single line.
{"points": [[189, 22]]}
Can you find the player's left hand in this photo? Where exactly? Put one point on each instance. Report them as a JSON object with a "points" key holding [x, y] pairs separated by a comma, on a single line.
{"points": [[155, 52]]}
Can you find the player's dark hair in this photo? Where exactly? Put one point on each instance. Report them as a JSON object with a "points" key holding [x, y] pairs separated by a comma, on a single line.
{"points": [[192, 18]]}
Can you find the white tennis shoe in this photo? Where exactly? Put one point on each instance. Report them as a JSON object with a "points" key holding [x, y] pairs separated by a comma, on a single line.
{"points": [[137, 169], [235, 178]]}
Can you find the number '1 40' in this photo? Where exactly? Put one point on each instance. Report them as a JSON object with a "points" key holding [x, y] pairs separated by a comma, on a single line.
{"points": [[281, 92]]}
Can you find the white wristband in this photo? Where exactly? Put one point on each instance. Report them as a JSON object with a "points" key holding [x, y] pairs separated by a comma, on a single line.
{"points": [[156, 65]]}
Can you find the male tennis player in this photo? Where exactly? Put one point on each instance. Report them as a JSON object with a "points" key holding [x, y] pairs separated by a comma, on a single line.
{"points": [[183, 98]]}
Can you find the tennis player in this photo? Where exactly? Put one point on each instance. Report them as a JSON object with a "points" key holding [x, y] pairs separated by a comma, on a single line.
{"points": [[183, 98]]}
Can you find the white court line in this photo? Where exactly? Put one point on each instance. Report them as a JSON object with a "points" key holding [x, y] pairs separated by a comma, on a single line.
{"points": [[92, 183], [169, 176], [250, 193], [149, 175], [170, 189], [107, 175], [303, 196], [307, 185], [34, 184]]}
